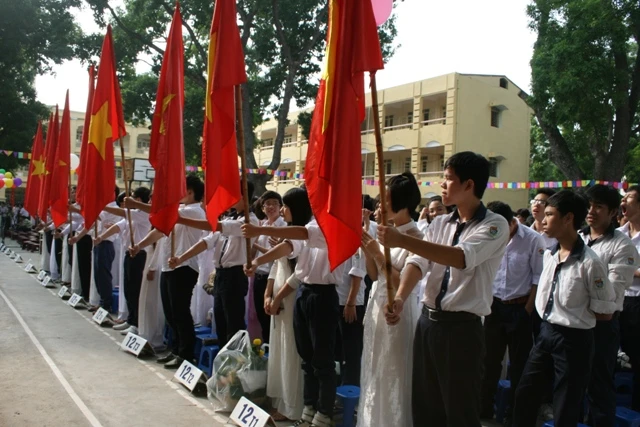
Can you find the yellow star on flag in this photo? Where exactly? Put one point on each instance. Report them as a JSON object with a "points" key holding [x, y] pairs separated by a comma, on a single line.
{"points": [[38, 167], [100, 129], [165, 104]]}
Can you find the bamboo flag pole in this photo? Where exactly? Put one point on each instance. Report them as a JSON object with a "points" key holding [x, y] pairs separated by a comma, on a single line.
{"points": [[126, 191], [382, 188], [243, 165]]}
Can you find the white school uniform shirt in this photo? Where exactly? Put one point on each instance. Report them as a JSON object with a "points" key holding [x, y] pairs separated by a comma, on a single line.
{"points": [[521, 265], [581, 288], [230, 246], [185, 237], [140, 224], [107, 219], [634, 289], [483, 241], [423, 224], [353, 267], [263, 241], [76, 222], [619, 255], [549, 242]]}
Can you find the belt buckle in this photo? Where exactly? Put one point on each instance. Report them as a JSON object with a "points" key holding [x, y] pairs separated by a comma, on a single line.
{"points": [[432, 317]]}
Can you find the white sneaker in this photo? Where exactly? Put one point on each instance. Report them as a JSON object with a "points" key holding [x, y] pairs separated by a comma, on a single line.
{"points": [[321, 420], [307, 417], [121, 326], [132, 329]]}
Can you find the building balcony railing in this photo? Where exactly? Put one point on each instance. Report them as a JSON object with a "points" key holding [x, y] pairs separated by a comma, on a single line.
{"points": [[440, 121], [397, 127]]}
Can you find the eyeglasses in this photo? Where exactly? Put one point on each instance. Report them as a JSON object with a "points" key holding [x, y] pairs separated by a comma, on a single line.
{"points": [[537, 202], [272, 204]]}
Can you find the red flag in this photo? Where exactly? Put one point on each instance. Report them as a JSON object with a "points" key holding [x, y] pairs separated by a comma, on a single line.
{"points": [[50, 153], [59, 192], [332, 173], [85, 139], [107, 125], [225, 70], [166, 150], [36, 173]]}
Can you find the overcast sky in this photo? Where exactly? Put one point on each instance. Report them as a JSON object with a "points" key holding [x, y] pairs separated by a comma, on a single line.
{"points": [[436, 37]]}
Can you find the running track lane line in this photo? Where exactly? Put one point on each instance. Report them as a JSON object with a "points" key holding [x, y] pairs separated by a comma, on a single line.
{"points": [[56, 371]]}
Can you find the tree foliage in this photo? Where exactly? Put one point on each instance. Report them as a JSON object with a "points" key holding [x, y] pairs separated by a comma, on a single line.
{"points": [[283, 43], [34, 35], [586, 83]]}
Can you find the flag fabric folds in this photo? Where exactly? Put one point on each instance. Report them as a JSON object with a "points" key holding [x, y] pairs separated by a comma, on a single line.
{"points": [[225, 70], [333, 166], [59, 192], [106, 127], [85, 139], [36, 174], [166, 150], [50, 153]]}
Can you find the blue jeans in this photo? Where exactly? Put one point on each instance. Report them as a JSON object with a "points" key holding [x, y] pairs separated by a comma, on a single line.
{"points": [[103, 256]]}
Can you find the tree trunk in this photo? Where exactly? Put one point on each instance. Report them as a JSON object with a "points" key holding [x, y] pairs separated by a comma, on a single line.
{"points": [[559, 152]]}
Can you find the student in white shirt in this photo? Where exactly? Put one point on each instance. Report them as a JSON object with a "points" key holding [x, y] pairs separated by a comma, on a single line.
{"points": [[620, 256], [573, 292], [514, 294], [315, 318], [463, 251], [630, 316], [178, 280], [537, 210]]}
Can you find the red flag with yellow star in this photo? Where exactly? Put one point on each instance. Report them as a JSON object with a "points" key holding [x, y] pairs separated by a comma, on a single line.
{"points": [[333, 172], [107, 126], [85, 140], [59, 192], [50, 153], [36, 173], [166, 149], [225, 70]]}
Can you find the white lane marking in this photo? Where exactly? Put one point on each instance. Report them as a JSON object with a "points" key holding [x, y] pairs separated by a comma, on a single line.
{"points": [[65, 384]]}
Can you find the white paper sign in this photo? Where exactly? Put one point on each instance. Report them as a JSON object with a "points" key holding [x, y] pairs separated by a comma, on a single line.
{"points": [[133, 344], [188, 375], [18, 259], [63, 290], [46, 281], [28, 267], [246, 413], [74, 300], [100, 315], [12, 255], [41, 275]]}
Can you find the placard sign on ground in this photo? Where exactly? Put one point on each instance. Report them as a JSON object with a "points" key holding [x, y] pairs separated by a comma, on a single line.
{"points": [[41, 275], [134, 344], [46, 281], [74, 300], [18, 259], [63, 290], [100, 315], [188, 375], [248, 414], [28, 267]]}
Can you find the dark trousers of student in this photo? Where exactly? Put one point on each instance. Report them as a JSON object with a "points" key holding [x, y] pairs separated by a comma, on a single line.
{"points": [[259, 287], [351, 346], [630, 342], [508, 326], [176, 290], [103, 255], [563, 357], [448, 365], [48, 240], [315, 326], [58, 254], [133, 271], [230, 287], [601, 391], [83, 249]]}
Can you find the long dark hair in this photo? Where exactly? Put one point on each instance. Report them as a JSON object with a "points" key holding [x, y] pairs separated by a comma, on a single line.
{"points": [[297, 200]]}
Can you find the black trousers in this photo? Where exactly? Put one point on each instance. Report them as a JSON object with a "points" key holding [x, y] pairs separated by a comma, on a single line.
{"points": [[561, 356], [601, 391], [103, 256], [351, 346], [259, 288], [230, 287], [315, 326], [133, 271], [630, 342], [176, 290], [507, 327], [58, 255], [48, 239], [448, 365], [84, 247]]}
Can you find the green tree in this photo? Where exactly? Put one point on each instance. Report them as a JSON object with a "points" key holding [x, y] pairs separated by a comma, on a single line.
{"points": [[283, 43], [586, 83], [540, 167], [34, 35]]}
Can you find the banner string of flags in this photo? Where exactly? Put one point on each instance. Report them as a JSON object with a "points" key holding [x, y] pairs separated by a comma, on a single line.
{"points": [[523, 185]]}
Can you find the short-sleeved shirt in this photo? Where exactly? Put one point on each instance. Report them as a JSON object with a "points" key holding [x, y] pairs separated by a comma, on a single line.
{"points": [[634, 289], [483, 240], [231, 248], [581, 288], [139, 222], [352, 267], [313, 266], [185, 237], [263, 241]]}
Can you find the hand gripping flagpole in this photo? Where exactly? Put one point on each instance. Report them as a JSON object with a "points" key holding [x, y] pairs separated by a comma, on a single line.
{"points": [[126, 192], [243, 165], [391, 291]]}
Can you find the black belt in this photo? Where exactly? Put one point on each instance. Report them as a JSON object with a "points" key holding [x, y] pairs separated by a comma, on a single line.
{"points": [[261, 275], [448, 316]]}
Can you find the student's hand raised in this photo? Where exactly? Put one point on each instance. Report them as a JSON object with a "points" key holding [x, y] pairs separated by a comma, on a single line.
{"points": [[393, 317], [128, 203], [174, 262], [424, 213], [366, 219], [369, 245], [389, 236], [250, 230]]}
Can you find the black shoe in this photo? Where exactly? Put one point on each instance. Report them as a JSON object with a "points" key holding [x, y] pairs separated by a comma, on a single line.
{"points": [[168, 358], [174, 363]]}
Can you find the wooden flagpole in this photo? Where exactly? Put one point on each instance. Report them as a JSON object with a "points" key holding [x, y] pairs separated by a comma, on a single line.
{"points": [[243, 166], [391, 291], [126, 191]]}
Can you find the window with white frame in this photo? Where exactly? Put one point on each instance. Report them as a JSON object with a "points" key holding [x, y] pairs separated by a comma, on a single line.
{"points": [[444, 115], [79, 136], [410, 117], [387, 166], [388, 121], [407, 164], [425, 115], [424, 162], [142, 143], [118, 172], [288, 139], [268, 142]]}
